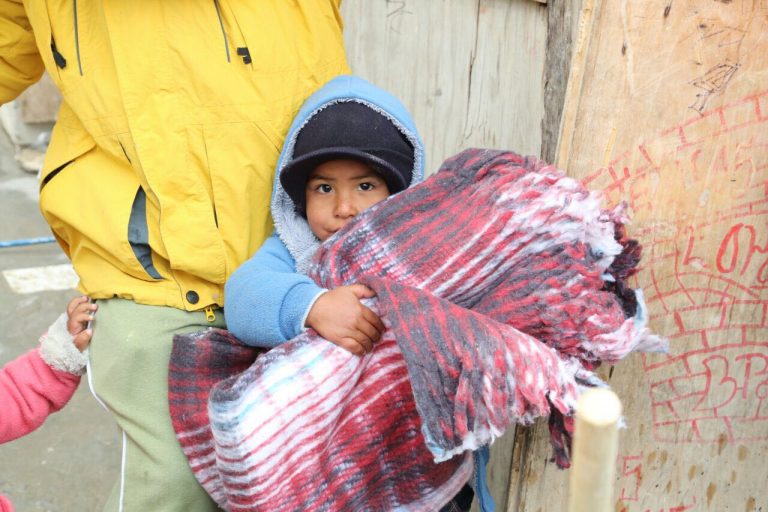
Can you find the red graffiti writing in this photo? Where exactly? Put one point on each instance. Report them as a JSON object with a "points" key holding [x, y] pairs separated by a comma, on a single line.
{"points": [[745, 379], [679, 508], [632, 466], [705, 273], [740, 248]]}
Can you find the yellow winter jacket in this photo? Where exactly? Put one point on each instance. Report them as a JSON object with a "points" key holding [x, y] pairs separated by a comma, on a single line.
{"points": [[159, 172]]}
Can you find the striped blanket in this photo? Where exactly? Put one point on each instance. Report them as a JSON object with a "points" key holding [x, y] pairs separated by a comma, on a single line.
{"points": [[502, 284]]}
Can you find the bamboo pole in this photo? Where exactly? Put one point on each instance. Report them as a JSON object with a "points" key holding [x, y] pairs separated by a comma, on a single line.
{"points": [[595, 447]]}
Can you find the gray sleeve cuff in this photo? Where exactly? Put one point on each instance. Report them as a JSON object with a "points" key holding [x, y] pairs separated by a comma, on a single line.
{"points": [[57, 348]]}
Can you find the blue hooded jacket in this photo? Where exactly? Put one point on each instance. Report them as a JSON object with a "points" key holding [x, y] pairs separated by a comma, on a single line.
{"points": [[268, 298]]}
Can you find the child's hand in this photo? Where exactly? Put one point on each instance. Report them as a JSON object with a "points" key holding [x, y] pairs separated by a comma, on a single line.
{"points": [[79, 312], [340, 317]]}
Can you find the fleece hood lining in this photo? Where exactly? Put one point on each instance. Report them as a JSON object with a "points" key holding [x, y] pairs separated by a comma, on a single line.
{"points": [[291, 227]]}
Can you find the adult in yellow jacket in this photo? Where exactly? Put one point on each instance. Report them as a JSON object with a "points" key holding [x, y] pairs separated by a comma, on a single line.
{"points": [[158, 176]]}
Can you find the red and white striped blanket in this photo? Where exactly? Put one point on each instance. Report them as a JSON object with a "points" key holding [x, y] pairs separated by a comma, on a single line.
{"points": [[501, 283]]}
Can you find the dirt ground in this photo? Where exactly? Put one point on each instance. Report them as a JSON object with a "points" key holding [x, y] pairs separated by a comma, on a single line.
{"points": [[71, 462]]}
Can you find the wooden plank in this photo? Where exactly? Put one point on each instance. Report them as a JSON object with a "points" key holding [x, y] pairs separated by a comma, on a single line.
{"points": [[568, 27], [470, 71], [422, 55], [670, 115], [498, 471], [562, 31], [506, 103], [578, 67]]}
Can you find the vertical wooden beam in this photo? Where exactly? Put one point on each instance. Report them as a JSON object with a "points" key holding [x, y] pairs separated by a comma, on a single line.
{"points": [[589, 13], [562, 28]]}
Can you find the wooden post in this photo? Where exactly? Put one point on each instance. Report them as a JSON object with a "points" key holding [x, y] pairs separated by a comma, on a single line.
{"points": [[595, 446]]}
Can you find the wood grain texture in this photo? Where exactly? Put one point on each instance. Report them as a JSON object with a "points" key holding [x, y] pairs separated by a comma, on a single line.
{"points": [[577, 69], [470, 71], [671, 115], [562, 31]]}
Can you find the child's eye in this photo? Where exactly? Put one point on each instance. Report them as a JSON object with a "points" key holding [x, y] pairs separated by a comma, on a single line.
{"points": [[324, 188], [367, 186]]}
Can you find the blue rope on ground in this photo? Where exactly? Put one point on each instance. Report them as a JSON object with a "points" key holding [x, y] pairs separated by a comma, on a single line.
{"points": [[22, 242]]}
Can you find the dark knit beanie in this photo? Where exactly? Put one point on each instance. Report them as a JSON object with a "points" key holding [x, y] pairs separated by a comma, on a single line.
{"points": [[349, 130]]}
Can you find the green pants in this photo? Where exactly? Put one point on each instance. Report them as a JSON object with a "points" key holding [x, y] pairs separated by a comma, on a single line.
{"points": [[129, 357]]}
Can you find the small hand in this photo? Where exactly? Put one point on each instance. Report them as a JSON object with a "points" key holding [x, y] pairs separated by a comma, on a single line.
{"points": [[340, 317], [80, 311]]}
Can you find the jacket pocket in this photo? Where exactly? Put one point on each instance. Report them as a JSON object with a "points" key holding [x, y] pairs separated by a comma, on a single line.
{"points": [[138, 234], [240, 158], [97, 210]]}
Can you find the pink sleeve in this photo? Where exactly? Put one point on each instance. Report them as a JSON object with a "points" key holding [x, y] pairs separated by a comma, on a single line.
{"points": [[5, 504], [30, 390]]}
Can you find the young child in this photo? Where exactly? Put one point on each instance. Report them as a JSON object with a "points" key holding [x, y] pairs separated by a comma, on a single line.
{"points": [[41, 381], [351, 146]]}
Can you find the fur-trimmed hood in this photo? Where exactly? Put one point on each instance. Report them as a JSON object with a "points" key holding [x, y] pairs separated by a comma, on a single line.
{"points": [[291, 227]]}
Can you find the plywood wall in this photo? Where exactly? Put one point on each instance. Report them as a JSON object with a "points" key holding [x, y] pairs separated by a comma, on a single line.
{"points": [[668, 110], [470, 71]]}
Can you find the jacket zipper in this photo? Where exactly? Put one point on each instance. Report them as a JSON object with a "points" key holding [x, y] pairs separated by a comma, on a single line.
{"points": [[223, 30], [77, 41], [226, 12], [209, 314]]}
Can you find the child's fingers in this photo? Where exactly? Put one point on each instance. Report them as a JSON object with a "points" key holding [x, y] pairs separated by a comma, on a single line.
{"points": [[368, 326], [80, 316], [367, 335], [361, 291], [78, 321], [373, 319], [83, 339], [83, 317], [74, 303], [353, 345], [88, 307]]}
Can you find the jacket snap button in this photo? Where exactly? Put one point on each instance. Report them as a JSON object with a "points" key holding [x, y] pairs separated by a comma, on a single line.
{"points": [[192, 297]]}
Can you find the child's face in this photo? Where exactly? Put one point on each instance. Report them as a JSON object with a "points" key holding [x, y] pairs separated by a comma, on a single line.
{"points": [[337, 191]]}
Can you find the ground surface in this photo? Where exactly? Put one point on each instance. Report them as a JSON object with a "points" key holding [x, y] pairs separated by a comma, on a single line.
{"points": [[71, 462]]}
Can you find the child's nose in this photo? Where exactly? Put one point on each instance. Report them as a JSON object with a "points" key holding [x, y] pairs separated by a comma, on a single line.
{"points": [[345, 208]]}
